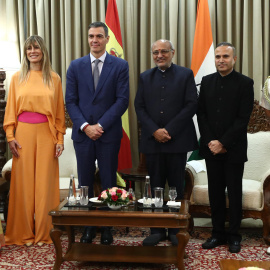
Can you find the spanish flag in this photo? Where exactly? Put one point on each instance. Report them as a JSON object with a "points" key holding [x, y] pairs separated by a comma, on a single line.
{"points": [[203, 55], [115, 47]]}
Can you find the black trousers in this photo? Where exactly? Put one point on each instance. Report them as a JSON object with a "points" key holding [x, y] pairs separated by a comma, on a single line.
{"points": [[222, 175], [167, 166]]}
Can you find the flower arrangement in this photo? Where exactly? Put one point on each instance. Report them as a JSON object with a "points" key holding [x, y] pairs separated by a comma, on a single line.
{"points": [[115, 196]]}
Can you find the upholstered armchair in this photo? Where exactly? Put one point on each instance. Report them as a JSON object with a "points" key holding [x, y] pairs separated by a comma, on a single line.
{"points": [[256, 178]]}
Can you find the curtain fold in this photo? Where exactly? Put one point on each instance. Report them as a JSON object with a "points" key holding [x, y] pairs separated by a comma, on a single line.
{"points": [[64, 25]]}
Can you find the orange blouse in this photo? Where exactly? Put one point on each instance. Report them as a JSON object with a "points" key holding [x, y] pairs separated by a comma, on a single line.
{"points": [[34, 96]]}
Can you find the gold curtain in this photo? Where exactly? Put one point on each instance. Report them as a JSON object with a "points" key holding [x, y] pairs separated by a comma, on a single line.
{"points": [[63, 24]]}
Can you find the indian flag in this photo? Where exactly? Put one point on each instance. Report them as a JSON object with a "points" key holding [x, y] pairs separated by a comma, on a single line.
{"points": [[115, 47], [203, 55]]}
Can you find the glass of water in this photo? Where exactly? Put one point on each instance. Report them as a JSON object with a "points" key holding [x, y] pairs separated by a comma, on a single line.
{"points": [[158, 197], [172, 193]]}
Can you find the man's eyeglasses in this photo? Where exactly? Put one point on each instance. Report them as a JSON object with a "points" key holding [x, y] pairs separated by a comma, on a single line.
{"points": [[161, 51]]}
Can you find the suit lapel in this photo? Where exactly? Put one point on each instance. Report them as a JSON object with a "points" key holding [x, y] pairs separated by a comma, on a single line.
{"points": [[106, 69], [87, 73]]}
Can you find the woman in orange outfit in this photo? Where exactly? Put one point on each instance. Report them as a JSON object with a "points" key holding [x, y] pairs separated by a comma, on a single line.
{"points": [[35, 126]]}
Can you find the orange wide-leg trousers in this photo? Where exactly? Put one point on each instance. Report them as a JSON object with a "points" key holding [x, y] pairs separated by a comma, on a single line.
{"points": [[34, 187]]}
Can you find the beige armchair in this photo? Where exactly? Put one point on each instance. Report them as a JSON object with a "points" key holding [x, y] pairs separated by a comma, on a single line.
{"points": [[256, 178]]}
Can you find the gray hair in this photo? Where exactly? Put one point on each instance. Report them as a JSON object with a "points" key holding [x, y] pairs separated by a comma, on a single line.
{"points": [[163, 40], [227, 44]]}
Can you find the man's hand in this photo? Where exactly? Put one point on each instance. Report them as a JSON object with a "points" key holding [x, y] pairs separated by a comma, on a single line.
{"points": [[13, 148], [161, 135], [216, 147], [94, 132]]}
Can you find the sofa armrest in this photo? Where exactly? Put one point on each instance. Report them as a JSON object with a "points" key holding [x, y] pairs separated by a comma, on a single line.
{"points": [[200, 178], [264, 178], [6, 171]]}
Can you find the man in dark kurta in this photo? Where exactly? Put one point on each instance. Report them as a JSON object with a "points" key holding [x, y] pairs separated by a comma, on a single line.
{"points": [[165, 104], [225, 104]]}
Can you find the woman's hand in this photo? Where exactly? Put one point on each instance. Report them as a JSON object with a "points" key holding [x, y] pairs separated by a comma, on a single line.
{"points": [[59, 149], [13, 148]]}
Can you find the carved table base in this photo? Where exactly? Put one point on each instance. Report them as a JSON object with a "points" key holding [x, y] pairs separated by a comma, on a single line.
{"points": [[101, 253]]}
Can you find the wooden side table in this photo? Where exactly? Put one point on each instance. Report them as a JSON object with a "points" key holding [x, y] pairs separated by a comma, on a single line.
{"points": [[136, 174], [236, 264]]}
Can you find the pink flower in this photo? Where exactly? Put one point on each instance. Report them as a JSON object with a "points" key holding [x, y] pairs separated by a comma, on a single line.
{"points": [[104, 195], [113, 193]]}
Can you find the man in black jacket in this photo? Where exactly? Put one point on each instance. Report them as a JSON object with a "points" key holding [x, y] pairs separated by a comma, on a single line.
{"points": [[165, 104], [225, 104]]}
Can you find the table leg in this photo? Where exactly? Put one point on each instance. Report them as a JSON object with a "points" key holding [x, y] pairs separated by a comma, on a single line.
{"points": [[55, 235], [71, 236], [183, 237]]}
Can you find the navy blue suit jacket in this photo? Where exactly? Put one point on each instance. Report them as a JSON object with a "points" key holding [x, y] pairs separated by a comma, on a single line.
{"points": [[167, 100], [106, 104]]}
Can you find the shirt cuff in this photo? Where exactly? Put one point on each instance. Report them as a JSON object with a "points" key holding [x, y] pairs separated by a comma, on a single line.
{"points": [[60, 138], [10, 133], [83, 125]]}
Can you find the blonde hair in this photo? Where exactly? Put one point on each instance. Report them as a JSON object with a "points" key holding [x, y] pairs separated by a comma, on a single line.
{"points": [[45, 62]]}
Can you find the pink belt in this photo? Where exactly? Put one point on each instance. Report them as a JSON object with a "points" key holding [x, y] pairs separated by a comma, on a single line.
{"points": [[32, 118]]}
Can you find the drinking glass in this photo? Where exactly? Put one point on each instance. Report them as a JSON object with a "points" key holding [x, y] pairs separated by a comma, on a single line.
{"points": [[158, 196], [172, 193], [78, 195], [130, 191], [84, 195]]}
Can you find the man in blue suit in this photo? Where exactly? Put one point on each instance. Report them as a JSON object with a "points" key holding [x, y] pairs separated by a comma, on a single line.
{"points": [[165, 103], [97, 95]]}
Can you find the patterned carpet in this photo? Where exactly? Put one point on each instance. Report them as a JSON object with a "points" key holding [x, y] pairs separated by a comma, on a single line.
{"points": [[34, 257]]}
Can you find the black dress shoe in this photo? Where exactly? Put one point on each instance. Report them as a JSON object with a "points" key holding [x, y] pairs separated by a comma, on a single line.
{"points": [[154, 239], [173, 239], [106, 237], [213, 242], [234, 247], [88, 235]]}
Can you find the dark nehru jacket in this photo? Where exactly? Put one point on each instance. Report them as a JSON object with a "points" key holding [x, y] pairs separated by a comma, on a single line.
{"points": [[224, 109], [167, 100]]}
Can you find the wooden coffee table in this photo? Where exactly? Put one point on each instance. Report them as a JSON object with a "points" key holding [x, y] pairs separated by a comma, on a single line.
{"points": [[236, 264], [134, 217]]}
